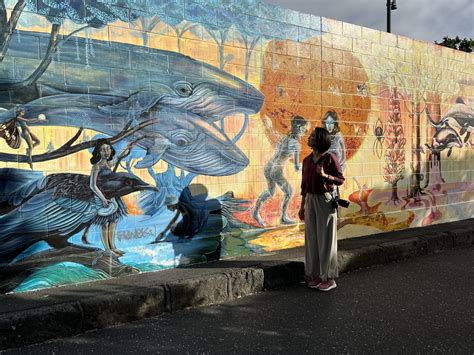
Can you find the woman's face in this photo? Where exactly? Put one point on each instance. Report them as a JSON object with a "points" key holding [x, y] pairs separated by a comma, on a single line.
{"points": [[105, 151], [330, 123], [312, 142]]}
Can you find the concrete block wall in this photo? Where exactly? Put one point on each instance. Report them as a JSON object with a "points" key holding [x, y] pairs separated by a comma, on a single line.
{"points": [[217, 85]]}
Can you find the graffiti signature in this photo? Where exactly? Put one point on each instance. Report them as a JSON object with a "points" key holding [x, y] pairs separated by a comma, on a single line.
{"points": [[138, 233]]}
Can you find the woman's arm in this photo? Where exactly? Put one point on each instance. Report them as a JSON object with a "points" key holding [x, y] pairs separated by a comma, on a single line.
{"points": [[125, 151], [336, 177], [93, 185], [29, 120], [303, 194]]}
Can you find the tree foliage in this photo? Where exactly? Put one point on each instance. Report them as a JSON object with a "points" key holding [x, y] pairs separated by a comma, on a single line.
{"points": [[465, 44], [97, 13]]}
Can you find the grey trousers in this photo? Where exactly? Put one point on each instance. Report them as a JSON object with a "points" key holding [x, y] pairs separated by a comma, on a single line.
{"points": [[320, 237]]}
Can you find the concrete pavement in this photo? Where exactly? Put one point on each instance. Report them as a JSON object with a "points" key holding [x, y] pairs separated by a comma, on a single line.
{"points": [[418, 306], [51, 313]]}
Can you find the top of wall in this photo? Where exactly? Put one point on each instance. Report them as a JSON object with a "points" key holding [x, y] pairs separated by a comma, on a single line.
{"points": [[252, 17]]}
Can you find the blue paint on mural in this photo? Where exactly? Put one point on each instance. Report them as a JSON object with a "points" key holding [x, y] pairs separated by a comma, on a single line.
{"points": [[153, 104]]}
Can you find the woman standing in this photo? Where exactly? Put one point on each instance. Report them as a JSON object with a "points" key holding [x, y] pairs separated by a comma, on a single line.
{"points": [[102, 164], [321, 173]]}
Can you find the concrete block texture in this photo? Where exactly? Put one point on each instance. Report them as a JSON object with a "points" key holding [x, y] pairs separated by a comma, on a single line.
{"points": [[402, 249], [197, 292]]}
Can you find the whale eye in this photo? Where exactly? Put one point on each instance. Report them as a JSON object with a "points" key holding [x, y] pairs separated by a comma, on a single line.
{"points": [[184, 89], [181, 139]]}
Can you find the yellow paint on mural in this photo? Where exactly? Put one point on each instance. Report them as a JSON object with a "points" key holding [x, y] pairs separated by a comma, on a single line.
{"points": [[311, 78]]}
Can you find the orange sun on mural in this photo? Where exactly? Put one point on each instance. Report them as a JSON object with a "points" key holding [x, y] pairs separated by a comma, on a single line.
{"points": [[310, 87]]}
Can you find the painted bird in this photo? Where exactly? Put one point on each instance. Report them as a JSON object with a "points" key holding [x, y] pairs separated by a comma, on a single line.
{"points": [[56, 207]]}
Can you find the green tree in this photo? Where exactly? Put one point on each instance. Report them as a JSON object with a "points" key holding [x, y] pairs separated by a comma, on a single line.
{"points": [[465, 44]]}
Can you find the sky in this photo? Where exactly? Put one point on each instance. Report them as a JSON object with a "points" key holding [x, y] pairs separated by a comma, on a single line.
{"points": [[427, 20]]}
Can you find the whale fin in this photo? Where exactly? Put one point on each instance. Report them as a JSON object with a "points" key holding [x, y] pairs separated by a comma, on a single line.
{"points": [[140, 102], [468, 135], [464, 129], [435, 124], [153, 154]]}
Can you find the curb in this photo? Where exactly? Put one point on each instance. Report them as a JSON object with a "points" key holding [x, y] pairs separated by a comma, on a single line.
{"points": [[38, 324]]}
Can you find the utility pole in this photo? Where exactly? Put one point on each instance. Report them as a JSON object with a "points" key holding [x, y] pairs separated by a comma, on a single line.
{"points": [[391, 5]]}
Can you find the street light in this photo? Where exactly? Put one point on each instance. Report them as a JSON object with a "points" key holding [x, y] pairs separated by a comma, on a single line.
{"points": [[391, 5]]}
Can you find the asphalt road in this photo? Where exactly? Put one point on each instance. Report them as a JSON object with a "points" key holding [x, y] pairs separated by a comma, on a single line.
{"points": [[422, 305]]}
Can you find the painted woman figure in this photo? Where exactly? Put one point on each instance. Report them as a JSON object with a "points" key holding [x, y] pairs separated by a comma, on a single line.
{"points": [[18, 126], [331, 123], [288, 146], [103, 163]]}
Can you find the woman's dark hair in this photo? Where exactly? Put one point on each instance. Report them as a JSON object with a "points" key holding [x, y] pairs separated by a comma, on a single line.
{"points": [[19, 108], [334, 115], [96, 152], [296, 123], [320, 139]]}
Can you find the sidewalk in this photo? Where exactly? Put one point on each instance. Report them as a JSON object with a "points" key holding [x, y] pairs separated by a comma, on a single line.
{"points": [[27, 318]]}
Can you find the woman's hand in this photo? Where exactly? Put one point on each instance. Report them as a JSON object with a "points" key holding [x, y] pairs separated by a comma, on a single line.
{"points": [[106, 203], [320, 171], [301, 214], [127, 149]]}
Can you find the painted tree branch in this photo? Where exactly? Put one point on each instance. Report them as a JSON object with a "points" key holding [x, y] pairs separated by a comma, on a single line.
{"points": [[65, 39], [3, 16], [48, 57], [68, 148], [10, 27]]}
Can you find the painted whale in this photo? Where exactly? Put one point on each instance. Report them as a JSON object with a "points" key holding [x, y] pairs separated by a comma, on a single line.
{"points": [[176, 136], [460, 117], [139, 78], [152, 81], [445, 138]]}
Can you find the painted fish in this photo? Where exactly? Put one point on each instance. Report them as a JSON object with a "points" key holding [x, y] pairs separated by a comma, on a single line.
{"points": [[445, 138], [460, 117]]}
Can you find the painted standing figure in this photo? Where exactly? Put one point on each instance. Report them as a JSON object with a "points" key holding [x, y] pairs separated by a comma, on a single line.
{"points": [[189, 224], [102, 164], [287, 146], [11, 132], [331, 123]]}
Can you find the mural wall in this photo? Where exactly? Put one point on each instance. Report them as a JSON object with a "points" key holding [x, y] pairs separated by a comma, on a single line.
{"points": [[143, 135]]}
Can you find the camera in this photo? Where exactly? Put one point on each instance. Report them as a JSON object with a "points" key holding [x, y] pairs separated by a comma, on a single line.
{"points": [[336, 202], [343, 203]]}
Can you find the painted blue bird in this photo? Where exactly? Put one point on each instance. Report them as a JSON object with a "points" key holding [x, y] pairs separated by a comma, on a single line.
{"points": [[56, 207]]}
